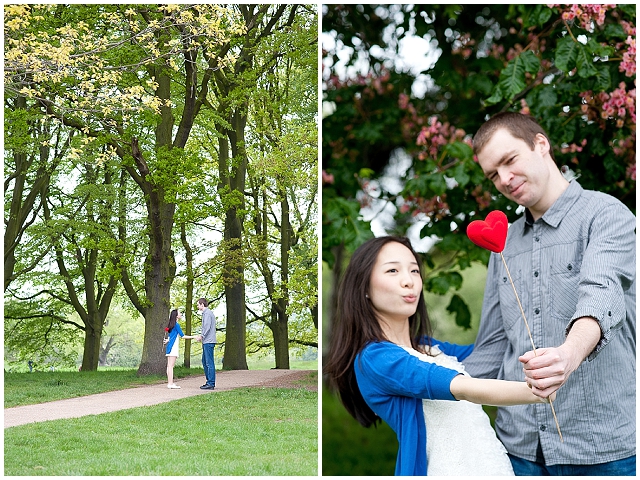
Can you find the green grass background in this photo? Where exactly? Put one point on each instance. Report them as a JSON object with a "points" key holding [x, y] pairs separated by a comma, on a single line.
{"points": [[248, 431], [251, 431]]}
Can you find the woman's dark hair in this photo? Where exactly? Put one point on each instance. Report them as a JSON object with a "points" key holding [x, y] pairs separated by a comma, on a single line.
{"points": [[355, 325], [173, 318]]}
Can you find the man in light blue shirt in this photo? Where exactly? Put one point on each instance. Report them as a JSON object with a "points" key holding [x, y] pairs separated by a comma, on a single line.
{"points": [[572, 260], [208, 339]]}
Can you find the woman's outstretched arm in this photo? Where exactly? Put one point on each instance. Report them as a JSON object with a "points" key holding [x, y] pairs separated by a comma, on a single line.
{"points": [[501, 393]]}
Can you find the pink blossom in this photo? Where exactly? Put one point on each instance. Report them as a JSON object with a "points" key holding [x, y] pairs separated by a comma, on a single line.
{"points": [[403, 101], [631, 172]]}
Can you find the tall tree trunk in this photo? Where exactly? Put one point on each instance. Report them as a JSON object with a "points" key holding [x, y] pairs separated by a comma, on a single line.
{"points": [[233, 108], [160, 270], [235, 353], [104, 352], [160, 267], [188, 309], [91, 351], [281, 328], [233, 171]]}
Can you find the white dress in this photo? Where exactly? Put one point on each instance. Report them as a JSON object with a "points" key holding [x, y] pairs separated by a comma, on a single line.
{"points": [[460, 439]]}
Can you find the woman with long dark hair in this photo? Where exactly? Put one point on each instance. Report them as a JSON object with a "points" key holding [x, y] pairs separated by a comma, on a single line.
{"points": [[173, 330], [384, 365]]}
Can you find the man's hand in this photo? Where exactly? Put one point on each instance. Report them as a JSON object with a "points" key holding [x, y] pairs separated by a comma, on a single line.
{"points": [[548, 371]]}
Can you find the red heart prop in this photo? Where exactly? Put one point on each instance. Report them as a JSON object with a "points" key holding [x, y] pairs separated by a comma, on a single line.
{"points": [[490, 233]]}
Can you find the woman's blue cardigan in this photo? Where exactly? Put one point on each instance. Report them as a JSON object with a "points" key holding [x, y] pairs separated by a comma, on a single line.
{"points": [[173, 335], [393, 383]]}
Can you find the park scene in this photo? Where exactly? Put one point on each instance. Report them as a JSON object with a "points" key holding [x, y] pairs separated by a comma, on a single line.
{"points": [[160, 246], [405, 89]]}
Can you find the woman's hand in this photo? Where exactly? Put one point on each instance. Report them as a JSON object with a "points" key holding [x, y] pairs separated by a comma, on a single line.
{"points": [[551, 397]]}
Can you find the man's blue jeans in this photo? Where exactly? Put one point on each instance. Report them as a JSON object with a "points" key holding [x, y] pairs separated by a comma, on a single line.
{"points": [[624, 467], [207, 363]]}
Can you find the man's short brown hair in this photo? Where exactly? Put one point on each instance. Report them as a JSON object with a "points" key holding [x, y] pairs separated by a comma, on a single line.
{"points": [[518, 125]]}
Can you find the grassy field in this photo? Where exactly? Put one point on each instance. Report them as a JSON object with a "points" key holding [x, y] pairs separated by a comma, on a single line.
{"points": [[250, 431], [267, 432]]}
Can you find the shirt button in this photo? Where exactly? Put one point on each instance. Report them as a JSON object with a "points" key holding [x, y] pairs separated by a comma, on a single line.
{"points": [[536, 311], [535, 274], [569, 267], [543, 427], [504, 279], [537, 239]]}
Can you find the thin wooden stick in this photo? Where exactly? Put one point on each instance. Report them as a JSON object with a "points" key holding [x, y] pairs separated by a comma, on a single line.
{"points": [[553, 410]]}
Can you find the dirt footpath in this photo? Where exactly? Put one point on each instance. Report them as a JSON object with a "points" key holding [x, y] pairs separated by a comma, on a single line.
{"points": [[148, 395]]}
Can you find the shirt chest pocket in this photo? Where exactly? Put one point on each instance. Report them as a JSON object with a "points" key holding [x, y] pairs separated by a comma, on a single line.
{"points": [[508, 302], [563, 291]]}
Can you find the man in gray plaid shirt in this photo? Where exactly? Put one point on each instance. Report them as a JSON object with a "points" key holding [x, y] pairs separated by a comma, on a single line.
{"points": [[572, 260]]}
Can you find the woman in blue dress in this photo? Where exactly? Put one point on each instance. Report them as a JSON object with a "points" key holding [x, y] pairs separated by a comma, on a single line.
{"points": [[384, 365], [171, 342]]}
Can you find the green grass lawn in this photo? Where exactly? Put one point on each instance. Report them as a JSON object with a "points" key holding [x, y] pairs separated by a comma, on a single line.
{"points": [[250, 431]]}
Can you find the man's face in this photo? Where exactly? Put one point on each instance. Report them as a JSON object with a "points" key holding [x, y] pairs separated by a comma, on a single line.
{"points": [[200, 306], [519, 173]]}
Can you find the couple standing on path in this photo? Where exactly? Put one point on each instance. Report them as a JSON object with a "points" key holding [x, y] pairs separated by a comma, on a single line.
{"points": [[208, 339]]}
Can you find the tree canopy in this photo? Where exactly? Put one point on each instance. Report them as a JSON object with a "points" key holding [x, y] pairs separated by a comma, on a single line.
{"points": [[126, 146]]}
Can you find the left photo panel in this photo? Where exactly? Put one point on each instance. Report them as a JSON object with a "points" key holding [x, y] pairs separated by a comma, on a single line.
{"points": [[161, 239]]}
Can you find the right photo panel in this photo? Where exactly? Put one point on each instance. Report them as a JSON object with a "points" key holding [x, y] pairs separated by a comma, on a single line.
{"points": [[478, 240]]}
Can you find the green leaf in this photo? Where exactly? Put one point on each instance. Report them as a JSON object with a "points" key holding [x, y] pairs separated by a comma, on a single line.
{"points": [[495, 97], [426, 185], [437, 183], [512, 78], [615, 30], [545, 15], [342, 224], [366, 173], [543, 97], [459, 150], [584, 60], [416, 186], [460, 174], [629, 9], [480, 83], [444, 281], [566, 54], [540, 15], [459, 308], [603, 78]]}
